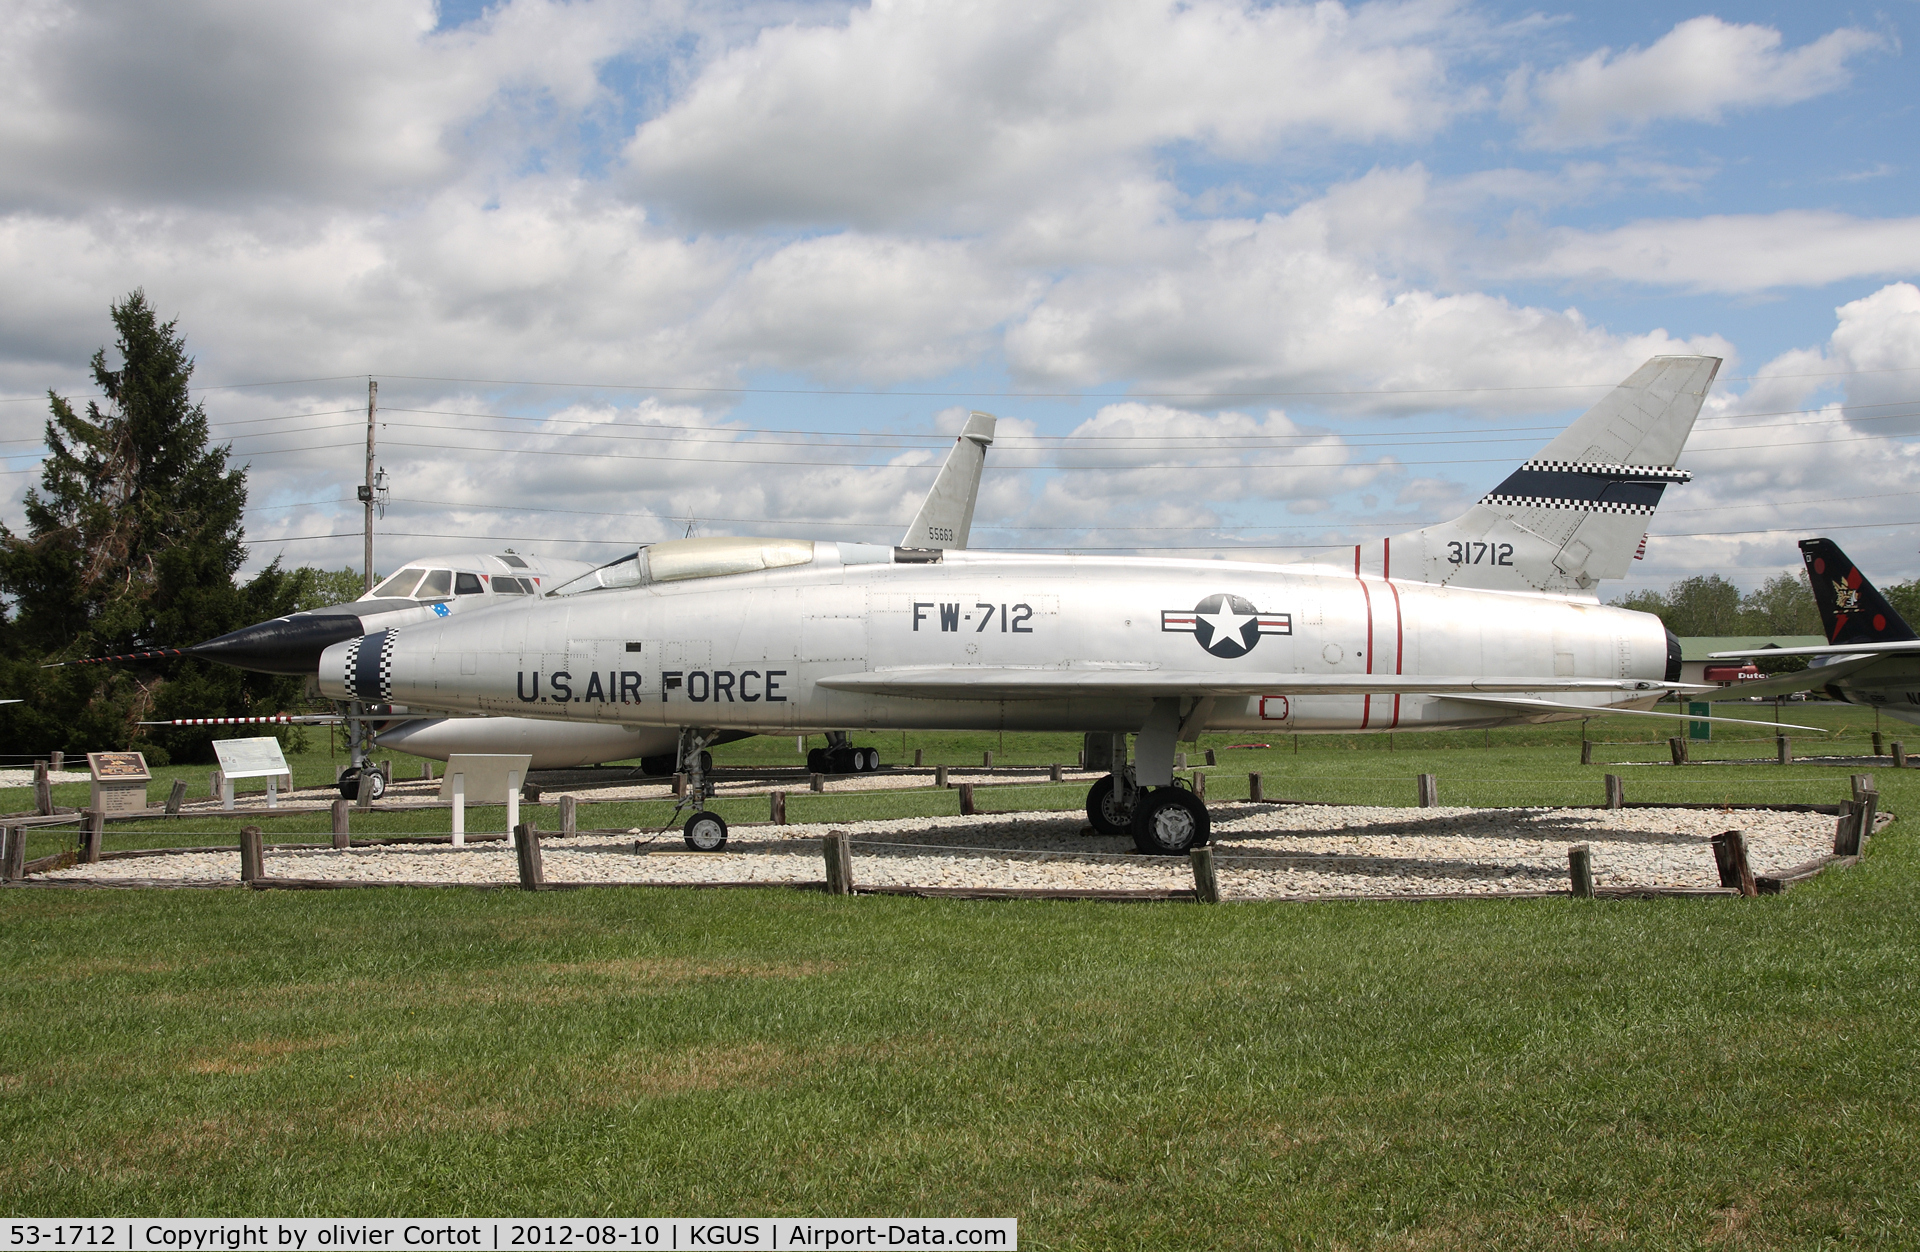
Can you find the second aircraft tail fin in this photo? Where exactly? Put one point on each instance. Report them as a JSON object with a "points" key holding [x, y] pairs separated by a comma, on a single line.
{"points": [[1851, 609], [945, 518], [1576, 512]]}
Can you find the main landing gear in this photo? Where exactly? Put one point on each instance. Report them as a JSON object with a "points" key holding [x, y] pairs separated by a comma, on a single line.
{"points": [[1161, 821], [1143, 799], [841, 757]]}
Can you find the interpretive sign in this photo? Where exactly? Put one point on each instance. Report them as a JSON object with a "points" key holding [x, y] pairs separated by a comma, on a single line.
{"points": [[252, 758], [119, 781]]}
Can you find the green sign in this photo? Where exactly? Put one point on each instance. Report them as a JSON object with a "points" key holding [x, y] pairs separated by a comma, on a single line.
{"points": [[1699, 730]]}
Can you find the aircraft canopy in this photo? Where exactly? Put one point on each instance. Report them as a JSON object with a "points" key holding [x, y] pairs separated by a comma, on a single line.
{"points": [[680, 559]]}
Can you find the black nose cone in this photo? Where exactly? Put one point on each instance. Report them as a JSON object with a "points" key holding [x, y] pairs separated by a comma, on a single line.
{"points": [[285, 645]]}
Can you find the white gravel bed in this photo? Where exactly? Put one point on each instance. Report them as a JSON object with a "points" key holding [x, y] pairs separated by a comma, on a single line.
{"points": [[24, 777], [1263, 852]]}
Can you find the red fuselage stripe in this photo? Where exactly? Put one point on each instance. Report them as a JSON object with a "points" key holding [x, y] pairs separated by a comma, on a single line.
{"points": [[1366, 702], [1399, 648]]}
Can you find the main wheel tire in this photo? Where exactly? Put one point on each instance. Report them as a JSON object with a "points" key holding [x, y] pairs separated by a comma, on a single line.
{"points": [[1105, 812], [705, 832], [817, 762], [841, 760], [869, 760], [350, 783], [1169, 821], [657, 766]]}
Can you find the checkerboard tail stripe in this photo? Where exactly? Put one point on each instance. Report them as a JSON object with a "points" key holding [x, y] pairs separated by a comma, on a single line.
{"points": [[1576, 506]]}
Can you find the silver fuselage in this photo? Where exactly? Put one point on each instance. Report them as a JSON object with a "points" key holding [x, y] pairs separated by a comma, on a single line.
{"points": [[746, 651]]}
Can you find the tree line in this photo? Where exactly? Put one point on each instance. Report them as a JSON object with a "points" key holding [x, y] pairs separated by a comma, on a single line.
{"points": [[133, 540]]}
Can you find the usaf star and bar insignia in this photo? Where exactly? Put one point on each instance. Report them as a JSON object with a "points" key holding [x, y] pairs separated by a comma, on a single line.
{"points": [[1225, 625]]}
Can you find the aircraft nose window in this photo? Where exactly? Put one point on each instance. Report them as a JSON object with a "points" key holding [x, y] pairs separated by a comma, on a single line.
{"points": [[400, 585], [468, 585], [437, 585]]}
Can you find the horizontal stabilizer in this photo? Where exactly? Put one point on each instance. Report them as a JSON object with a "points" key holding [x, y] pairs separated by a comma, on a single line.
{"points": [[1005, 683], [1588, 710]]}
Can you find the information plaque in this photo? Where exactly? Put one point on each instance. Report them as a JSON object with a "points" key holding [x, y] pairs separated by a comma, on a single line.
{"points": [[119, 781]]}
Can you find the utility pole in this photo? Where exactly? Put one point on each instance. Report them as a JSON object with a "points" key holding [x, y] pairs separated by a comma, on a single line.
{"points": [[366, 491]]}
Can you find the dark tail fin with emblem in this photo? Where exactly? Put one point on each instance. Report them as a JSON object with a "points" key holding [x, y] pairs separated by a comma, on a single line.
{"points": [[1851, 608]]}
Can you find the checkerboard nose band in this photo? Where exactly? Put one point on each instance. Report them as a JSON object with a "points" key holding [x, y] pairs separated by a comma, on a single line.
{"points": [[369, 666]]}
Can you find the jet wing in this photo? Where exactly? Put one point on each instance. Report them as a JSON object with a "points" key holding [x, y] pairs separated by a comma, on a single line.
{"points": [[1908, 646], [1810, 679], [1520, 705], [981, 682]]}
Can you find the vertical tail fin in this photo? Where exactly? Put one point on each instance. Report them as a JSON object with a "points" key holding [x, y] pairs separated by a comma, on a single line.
{"points": [[945, 519], [1578, 510], [1851, 609]]}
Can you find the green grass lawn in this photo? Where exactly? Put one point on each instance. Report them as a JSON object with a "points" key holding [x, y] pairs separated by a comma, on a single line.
{"points": [[1712, 1073]]}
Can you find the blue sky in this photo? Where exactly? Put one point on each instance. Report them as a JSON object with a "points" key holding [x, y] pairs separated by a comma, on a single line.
{"points": [[1247, 280]]}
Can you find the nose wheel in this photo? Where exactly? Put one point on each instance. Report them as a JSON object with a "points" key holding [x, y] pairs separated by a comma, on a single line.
{"points": [[705, 832]]}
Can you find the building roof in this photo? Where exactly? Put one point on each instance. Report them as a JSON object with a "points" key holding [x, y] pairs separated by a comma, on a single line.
{"points": [[1696, 647]]}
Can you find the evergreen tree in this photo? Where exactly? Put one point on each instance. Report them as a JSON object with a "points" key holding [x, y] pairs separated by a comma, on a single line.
{"points": [[133, 540]]}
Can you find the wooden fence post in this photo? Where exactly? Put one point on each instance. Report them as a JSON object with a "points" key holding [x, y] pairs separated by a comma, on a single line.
{"points": [[1428, 786], [1730, 858], [777, 807], [1860, 784], [986, 759], [1586, 752], [569, 816], [1254, 792], [679, 786], [1580, 870], [1054, 773], [96, 820], [1869, 809], [42, 789], [176, 797], [1199, 786], [816, 782], [940, 776], [1616, 792], [362, 789], [1899, 755], [342, 832], [13, 853], [966, 799], [1206, 884], [250, 858], [918, 756], [426, 771], [1879, 746], [1210, 757], [839, 854], [1846, 832], [1678, 747], [526, 850], [1783, 749]]}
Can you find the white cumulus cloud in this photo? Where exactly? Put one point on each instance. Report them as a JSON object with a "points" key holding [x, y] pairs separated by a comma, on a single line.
{"points": [[1697, 72]]}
